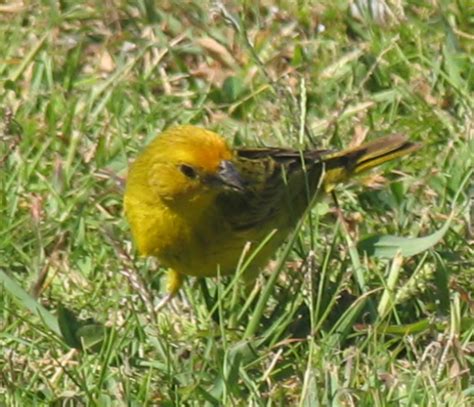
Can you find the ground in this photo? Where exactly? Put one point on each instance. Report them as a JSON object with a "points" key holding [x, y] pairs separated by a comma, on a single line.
{"points": [[333, 320]]}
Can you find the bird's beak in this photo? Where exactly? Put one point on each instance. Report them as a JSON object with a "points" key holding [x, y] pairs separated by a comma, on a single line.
{"points": [[228, 176]]}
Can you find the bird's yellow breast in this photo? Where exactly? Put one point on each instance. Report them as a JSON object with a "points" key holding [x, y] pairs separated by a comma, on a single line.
{"points": [[200, 244]]}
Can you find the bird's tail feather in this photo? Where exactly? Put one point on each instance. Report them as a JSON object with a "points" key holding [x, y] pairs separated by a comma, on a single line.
{"points": [[343, 164]]}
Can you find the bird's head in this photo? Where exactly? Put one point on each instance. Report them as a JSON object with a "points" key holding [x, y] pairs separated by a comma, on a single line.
{"points": [[188, 165]]}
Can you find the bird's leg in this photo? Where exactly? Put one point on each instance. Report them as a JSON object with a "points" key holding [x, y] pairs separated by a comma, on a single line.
{"points": [[173, 284]]}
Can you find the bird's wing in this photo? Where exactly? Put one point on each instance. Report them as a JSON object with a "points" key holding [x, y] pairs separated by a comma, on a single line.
{"points": [[267, 172], [281, 155]]}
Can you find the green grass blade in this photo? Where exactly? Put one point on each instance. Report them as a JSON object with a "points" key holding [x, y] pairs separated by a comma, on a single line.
{"points": [[27, 301]]}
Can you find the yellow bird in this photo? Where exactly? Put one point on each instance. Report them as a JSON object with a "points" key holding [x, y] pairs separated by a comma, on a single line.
{"points": [[195, 203]]}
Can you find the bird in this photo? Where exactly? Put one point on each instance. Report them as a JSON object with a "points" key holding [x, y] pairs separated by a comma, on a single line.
{"points": [[195, 203]]}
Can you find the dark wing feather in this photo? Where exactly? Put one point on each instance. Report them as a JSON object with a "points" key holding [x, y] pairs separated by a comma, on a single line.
{"points": [[280, 155], [265, 170]]}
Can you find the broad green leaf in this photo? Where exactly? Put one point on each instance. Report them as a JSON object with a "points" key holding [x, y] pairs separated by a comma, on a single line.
{"points": [[92, 336], [80, 334], [232, 89], [387, 246], [69, 324]]}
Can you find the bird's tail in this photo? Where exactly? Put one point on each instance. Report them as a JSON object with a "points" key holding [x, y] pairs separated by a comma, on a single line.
{"points": [[343, 164]]}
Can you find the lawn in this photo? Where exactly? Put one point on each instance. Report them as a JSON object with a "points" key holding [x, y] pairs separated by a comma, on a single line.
{"points": [[368, 304]]}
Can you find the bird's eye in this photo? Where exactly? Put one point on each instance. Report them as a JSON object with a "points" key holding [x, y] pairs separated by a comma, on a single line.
{"points": [[189, 171]]}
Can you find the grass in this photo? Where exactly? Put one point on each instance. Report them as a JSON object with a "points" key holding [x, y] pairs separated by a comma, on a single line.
{"points": [[84, 85]]}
